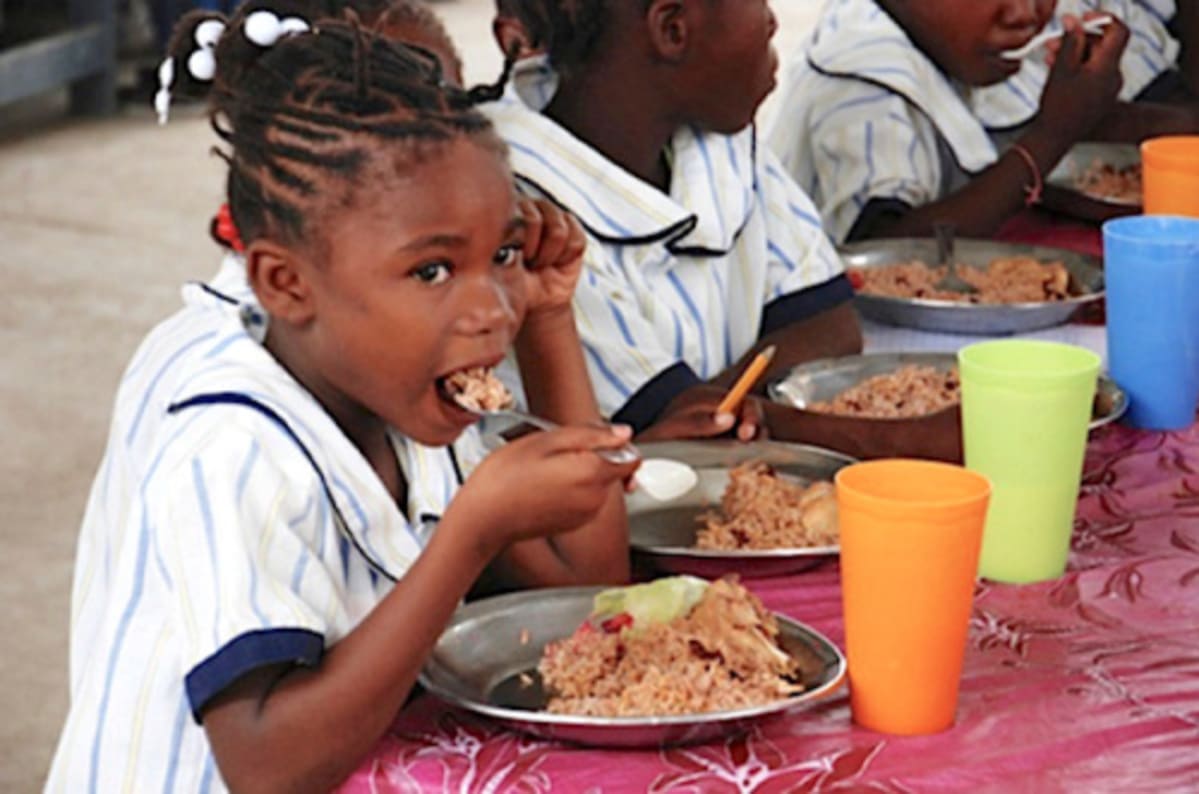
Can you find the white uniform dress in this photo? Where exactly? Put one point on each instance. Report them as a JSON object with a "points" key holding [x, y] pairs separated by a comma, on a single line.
{"points": [[864, 115], [252, 533], [1151, 53], [677, 285]]}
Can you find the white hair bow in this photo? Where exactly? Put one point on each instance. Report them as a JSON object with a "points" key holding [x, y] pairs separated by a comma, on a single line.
{"points": [[265, 28], [201, 65]]}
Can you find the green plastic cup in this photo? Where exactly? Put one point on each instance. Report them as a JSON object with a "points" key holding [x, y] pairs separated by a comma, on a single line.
{"points": [[1025, 410]]}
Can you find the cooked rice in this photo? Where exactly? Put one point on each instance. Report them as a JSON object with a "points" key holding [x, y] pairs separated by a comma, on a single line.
{"points": [[478, 389], [722, 655], [1015, 279], [760, 510], [1104, 181], [909, 391]]}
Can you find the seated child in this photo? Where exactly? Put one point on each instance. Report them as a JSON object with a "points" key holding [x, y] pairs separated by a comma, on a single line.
{"points": [[1150, 68], [258, 614], [876, 121], [701, 251]]}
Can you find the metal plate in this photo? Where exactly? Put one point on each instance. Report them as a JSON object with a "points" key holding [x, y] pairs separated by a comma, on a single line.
{"points": [[664, 532], [818, 381], [489, 645], [1086, 286], [1080, 158]]}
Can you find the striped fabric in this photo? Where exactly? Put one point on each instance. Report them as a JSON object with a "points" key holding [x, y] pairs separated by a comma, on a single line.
{"points": [[1151, 52], [242, 529], [863, 114], [677, 286]]}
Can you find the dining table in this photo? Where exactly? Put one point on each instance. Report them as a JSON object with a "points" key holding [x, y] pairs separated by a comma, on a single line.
{"points": [[1087, 683]]}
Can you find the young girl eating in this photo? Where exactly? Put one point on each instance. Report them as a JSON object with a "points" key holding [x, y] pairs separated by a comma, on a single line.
{"points": [[303, 525], [876, 120]]}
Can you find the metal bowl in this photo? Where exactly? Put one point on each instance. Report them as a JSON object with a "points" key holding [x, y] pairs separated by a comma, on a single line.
{"points": [[664, 532], [1080, 158], [486, 662], [822, 380], [1086, 286]]}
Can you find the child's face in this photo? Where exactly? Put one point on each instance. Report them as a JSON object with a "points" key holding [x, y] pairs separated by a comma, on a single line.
{"points": [[967, 39], [733, 66], [423, 277]]}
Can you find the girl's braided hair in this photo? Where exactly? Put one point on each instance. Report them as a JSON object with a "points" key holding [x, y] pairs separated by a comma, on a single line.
{"points": [[307, 110]]}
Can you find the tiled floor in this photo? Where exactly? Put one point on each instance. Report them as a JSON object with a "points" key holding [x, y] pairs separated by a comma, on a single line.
{"points": [[99, 223]]}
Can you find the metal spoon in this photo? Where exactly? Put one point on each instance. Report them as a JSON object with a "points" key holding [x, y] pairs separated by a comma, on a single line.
{"points": [[660, 478], [1092, 27], [951, 280]]}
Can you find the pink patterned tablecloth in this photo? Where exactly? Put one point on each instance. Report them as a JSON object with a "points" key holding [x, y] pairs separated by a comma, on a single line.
{"points": [[1085, 684]]}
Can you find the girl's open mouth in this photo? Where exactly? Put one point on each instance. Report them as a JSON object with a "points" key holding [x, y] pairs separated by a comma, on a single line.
{"points": [[475, 389]]}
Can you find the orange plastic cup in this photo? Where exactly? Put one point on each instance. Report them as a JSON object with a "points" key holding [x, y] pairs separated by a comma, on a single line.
{"points": [[1171, 175], [910, 538]]}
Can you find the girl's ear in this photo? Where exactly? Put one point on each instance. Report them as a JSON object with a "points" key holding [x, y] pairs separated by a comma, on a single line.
{"points": [[512, 37], [277, 279], [668, 27]]}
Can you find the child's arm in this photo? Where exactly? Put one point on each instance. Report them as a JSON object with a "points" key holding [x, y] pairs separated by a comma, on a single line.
{"points": [[557, 386], [287, 728], [1082, 89]]}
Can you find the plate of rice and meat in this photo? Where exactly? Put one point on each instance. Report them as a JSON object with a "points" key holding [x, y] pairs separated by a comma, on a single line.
{"points": [[1017, 287], [674, 661], [759, 509], [1106, 173], [888, 386]]}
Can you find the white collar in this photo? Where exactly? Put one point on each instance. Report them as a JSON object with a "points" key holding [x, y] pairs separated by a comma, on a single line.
{"points": [[857, 39], [712, 192]]}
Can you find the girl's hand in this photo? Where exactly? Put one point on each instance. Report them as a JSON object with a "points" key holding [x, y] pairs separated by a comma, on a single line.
{"points": [[1084, 84], [553, 253], [693, 415], [543, 484]]}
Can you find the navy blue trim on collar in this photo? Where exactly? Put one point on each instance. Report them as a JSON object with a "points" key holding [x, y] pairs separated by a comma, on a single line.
{"points": [[236, 398], [246, 653], [669, 235], [644, 407], [673, 232], [457, 466], [217, 294], [805, 304]]}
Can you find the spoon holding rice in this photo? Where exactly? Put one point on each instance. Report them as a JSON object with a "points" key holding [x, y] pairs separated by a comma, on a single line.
{"points": [[482, 394]]}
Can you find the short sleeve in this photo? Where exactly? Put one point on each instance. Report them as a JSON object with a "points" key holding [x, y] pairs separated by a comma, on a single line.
{"points": [[805, 276], [888, 153], [242, 528]]}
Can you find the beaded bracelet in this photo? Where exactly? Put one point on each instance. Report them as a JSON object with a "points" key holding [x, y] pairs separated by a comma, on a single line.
{"points": [[1032, 193]]}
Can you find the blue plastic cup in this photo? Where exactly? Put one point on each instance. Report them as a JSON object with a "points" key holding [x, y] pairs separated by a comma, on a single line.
{"points": [[1152, 275]]}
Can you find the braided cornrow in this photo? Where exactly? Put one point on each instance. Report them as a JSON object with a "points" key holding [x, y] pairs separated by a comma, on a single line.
{"points": [[568, 29], [315, 106]]}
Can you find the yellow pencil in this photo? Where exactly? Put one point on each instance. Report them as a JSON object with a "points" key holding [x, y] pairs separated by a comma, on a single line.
{"points": [[746, 382]]}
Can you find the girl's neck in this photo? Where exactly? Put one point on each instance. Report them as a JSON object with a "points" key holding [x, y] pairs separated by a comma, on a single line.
{"points": [[366, 431], [634, 137]]}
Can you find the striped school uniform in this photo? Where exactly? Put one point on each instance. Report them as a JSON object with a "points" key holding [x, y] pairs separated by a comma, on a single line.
{"points": [[676, 285], [865, 116], [257, 535], [1152, 53], [192, 334]]}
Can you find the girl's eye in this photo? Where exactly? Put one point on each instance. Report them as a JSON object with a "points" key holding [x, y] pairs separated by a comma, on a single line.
{"points": [[432, 273], [507, 256]]}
